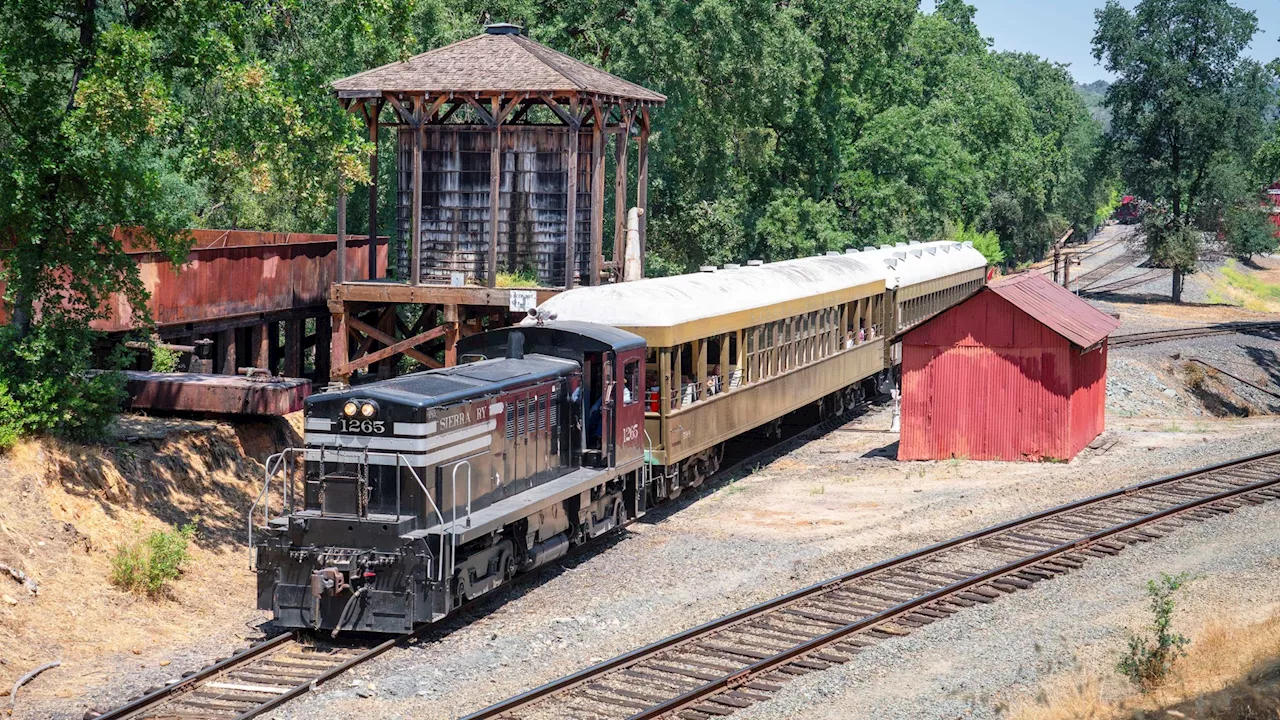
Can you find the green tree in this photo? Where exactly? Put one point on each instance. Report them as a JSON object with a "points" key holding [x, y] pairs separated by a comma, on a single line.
{"points": [[116, 114], [1249, 231], [1186, 105]]}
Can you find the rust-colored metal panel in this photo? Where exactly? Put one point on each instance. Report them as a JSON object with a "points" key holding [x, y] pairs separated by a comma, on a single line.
{"points": [[232, 273], [1056, 307], [987, 381], [226, 394]]}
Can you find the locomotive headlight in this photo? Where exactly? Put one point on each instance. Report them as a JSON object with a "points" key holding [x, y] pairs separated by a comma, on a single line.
{"points": [[368, 409], [349, 409]]}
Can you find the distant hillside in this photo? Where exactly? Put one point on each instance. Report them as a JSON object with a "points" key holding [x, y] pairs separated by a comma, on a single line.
{"points": [[1093, 94]]}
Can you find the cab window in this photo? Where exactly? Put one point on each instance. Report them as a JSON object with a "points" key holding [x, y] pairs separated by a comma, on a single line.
{"points": [[631, 382]]}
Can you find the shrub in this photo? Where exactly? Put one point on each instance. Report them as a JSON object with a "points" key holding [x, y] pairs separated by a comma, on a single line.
{"points": [[987, 243], [145, 565], [1249, 231], [47, 386], [1150, 657], [163, 359]]}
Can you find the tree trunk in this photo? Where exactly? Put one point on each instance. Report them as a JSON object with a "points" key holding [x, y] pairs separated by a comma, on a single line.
{"points": [[1177, 285]]}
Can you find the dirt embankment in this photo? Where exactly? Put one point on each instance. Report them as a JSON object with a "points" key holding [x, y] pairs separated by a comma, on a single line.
{"points": [[65, 509]]}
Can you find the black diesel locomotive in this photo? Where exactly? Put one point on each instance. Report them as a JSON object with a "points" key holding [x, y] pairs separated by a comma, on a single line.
{"points": [[430, 489]]}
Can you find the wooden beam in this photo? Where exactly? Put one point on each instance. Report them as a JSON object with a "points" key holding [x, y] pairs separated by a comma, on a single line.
{"points": [[390, 342], [449, 113], [620, 183], [571, 211], [435, 108], [415, 199], [400, 109], [597, 194], [338, 341], [642, 184], [404, 346], [452, 316], [433, 294], [292, 348], [484, 114], [495, 194], [555, 108], [342, 232], [372, 121]]}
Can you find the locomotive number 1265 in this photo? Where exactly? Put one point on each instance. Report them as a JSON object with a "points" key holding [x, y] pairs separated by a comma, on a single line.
{"points": [[362, 426]]}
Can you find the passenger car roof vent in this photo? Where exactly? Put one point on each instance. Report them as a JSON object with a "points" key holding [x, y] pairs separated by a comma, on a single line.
{"points": [[754, 263], [731, 266], [707, 268]]}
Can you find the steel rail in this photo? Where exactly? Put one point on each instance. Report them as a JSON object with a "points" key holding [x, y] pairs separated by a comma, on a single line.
{"points": [[191, 681], [745, 675], [1155, 336]]}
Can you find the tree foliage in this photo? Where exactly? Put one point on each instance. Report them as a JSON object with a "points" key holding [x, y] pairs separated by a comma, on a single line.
{"points": [[1189, 115], [790, 129]]}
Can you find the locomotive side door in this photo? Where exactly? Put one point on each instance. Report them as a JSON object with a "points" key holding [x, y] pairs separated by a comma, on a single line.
{"points": [[608, 389]]}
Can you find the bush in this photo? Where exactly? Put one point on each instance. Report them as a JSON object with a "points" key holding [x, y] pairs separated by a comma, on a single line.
{"points": [[163, 359], [987, 243], [145, 565], [47, 385], [1149, 658]]}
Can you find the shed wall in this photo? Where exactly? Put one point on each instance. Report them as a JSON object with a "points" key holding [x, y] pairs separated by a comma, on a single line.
{"points": [[1089, 398], [986, 381]]}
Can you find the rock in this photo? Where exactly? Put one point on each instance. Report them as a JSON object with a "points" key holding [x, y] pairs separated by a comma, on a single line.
{"points": [[9, 599], [364, 692], [163, 663]]}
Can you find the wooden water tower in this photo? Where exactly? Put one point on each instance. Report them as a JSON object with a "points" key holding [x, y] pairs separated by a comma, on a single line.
{"points": [[501, 164]]}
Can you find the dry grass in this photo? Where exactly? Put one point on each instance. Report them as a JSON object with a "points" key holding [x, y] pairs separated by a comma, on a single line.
{"points": [[64, 509], [1230, 673]]}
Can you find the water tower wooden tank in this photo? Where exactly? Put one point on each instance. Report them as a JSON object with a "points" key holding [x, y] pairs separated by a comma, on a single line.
{"points": [[501, 171]]}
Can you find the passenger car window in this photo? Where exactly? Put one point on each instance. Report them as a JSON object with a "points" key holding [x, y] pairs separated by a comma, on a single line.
{"points": [[631, 383]]}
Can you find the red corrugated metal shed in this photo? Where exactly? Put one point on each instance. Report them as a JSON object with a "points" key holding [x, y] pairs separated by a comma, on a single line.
{"points": [[1017, 372]]}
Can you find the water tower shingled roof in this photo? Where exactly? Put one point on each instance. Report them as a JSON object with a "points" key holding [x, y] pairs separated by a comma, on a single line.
{"points": [[499, 61]]}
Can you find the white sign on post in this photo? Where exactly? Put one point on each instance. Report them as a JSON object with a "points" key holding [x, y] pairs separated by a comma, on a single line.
{"points": [[457, 279], [522, 300]]}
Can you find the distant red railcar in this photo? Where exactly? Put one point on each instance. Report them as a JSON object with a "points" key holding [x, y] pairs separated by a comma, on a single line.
{"points": [[1016, 372], [1128, 213]]}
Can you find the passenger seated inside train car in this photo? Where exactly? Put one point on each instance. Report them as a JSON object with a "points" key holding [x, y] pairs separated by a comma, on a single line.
{"points": [[714, 380]]}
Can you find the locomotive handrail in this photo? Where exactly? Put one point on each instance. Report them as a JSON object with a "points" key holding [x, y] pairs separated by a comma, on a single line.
{"points": [[275, 460]]}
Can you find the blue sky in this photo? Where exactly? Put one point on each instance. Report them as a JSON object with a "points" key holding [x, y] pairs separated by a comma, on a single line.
{"points": [[1062, 30]]}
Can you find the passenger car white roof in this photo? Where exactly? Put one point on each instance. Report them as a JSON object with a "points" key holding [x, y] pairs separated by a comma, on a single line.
{"points": [[904, 264], [760, 293]]}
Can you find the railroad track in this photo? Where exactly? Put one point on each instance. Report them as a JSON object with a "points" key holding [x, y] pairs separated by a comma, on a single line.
{"points": [[715, 669], [250, 682], [1147, 338], [1127, 283], [260, 678]]}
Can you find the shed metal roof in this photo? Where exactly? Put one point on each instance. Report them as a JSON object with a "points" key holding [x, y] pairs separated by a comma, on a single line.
{"points": [[1056, 308], [494, 63]]}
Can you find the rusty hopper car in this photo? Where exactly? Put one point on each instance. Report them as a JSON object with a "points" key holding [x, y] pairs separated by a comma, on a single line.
{"points": [[736, 349], [426, 490]]}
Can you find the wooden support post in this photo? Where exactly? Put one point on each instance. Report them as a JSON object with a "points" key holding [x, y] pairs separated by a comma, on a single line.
{"points": [[571, 211], [495, 196], [723, 361], [324, 337], [620, 182], [700, 347], [387, 324], [342, 234], [260, 345], [642, 183], [340, 333], [227, 352], [597, 198], [293, 347], [415, 188], [451, 334], [374, 108]]}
